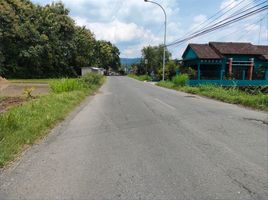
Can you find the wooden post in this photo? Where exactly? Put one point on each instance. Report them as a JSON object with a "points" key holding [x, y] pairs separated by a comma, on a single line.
{"points": [[250, 70], [230, 67]]}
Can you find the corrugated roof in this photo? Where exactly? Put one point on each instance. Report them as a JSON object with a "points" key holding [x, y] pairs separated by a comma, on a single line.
{"points": [[265, 51], [217, 50], [204, 51], [236, 48]]}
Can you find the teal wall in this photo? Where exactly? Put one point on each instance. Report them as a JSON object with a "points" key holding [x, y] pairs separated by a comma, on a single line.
{"points": [[229, 82], [190, 54], [190, 59]]}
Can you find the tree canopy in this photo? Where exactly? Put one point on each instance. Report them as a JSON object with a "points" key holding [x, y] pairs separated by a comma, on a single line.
{"points": [[152, 62], [43, 41]]}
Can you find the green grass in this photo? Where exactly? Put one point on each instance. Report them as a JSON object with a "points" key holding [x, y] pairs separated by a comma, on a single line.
{"points": [[43, 81], [231, 95], [23, 125], [65, 85], [140, 77], [2, 98]]}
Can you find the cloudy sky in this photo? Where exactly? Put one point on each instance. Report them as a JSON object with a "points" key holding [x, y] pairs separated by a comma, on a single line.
{"points": [[132, 24]]}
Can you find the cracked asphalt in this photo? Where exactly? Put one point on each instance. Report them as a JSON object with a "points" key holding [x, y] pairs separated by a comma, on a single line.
{"points": [[134, 140]]}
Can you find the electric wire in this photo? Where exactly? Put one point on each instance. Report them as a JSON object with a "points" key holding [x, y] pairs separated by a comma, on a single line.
{"points": [[218, 26]]}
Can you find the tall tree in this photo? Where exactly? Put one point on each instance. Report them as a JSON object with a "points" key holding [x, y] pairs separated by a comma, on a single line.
{"points": [[107, 55], [154, 57], [43, 41]]}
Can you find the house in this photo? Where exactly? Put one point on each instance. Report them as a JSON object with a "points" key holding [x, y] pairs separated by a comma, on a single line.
{"points": [[85, 70], [227, 63]]}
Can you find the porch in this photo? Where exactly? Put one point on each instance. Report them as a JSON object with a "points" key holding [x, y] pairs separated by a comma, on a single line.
{"points": [[228, 72]]}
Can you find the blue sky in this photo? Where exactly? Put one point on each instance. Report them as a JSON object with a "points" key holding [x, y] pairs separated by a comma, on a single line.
{"points": [[132, 24]]}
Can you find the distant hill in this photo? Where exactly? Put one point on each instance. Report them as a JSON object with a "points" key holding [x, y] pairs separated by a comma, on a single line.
{"points": [[130, 61]]}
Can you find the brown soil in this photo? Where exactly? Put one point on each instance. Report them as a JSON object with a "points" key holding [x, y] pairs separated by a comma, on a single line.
{"points": [[9, 102], [17, 89], [3, 84]]}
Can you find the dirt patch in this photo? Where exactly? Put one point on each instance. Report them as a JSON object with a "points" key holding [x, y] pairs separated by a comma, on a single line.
{"points": [[17, 89], [9, 102], [3, 84]]}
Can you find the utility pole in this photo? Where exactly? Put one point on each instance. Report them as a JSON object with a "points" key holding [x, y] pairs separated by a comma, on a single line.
{"points": [[165, 36]]}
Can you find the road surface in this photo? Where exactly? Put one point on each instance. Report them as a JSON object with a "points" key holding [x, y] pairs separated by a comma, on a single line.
{"points": [[134, 140]]}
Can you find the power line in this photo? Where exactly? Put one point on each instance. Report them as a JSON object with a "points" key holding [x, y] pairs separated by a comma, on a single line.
{"points": [[218, 26], [208, 26], [214, 15], [249, 26], [224, 13]]}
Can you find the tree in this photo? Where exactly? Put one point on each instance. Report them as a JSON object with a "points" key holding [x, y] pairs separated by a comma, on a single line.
{"points": [[154, 57], [83, 54], [43, 41], [171, 69], [107, 55]]}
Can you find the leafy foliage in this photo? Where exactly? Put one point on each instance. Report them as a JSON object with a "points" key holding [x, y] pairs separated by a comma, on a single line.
{"points": [[43, 41], [91, 79], [180, 80], [152, 62]]}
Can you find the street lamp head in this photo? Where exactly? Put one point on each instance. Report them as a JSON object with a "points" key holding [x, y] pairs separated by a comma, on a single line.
{"points": [[146, 0]]}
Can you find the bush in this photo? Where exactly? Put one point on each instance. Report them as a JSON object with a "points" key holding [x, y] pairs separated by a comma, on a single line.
{"points": [[141, 77], [180, 80], [145, 78], [91, 79], [65, 85]]}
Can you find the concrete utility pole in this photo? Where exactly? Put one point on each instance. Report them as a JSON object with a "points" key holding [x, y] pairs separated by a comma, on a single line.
{"points": [[165, 36]]}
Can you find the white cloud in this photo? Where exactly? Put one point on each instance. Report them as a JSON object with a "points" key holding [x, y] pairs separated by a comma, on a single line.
{"points": [[132, 24]]}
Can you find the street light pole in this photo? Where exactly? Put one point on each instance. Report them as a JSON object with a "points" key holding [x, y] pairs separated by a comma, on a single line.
{"points": [[165, 36]]}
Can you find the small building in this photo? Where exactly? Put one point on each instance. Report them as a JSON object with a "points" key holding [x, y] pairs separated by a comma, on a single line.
{"points": [[86, 70], [227, 63]]}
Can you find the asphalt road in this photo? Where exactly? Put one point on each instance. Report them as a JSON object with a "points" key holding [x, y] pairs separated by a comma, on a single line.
{"points": [[134, 140]]}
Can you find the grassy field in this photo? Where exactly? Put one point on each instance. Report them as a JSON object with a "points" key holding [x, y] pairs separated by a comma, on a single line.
{"points": [[230, 95], [23, 125]]}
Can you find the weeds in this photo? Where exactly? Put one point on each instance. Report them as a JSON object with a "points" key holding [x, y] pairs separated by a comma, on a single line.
{"points": [[141, 77], [229, 95], [23, 125], [28, 92], [180, 80], [65, 85]]}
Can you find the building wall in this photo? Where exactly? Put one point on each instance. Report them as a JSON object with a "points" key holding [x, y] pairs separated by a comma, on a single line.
{"points": [[85, 70]]}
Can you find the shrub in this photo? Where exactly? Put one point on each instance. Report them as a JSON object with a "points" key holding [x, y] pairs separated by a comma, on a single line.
{"points": [[145, 78], [28, 92], [180, 80], [91, 79], [141, 77], [65, 85]]}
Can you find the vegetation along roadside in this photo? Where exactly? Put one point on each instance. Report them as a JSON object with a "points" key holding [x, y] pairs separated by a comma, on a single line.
{"points": [[229, 95], [22, 125]]}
